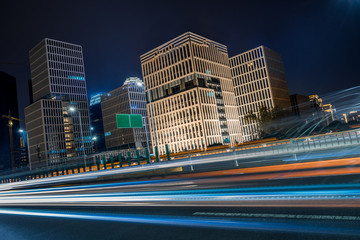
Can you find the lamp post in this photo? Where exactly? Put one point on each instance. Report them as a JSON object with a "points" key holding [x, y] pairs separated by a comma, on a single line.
{"points": [[94, 144], [146, 134], [153, 123], [72, 109]]}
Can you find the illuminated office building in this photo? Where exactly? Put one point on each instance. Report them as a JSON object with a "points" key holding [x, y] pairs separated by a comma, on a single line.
{"points": [[191, 93], [259, 80], [57, 123], [127, 99]]}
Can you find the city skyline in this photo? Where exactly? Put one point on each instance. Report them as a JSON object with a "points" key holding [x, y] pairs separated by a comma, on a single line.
{"points": [[112, 65], [180, 120]]}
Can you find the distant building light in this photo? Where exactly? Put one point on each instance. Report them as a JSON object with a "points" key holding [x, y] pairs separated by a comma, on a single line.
{"points": [[95, 99], [107, 134], [133, 80], [208, 72], [94, 138], [21, 131]]}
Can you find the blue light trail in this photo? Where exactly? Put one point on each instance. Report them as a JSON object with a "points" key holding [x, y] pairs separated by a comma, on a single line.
{"points": [[190, 222]]}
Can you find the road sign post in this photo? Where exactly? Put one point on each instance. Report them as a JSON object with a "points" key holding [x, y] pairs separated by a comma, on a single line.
{"points": [[104, 162], [98, 163], [147, 155], [167, 152], [157, 154], [138, 156], [129, 158], [120, 160], [112, 161]]}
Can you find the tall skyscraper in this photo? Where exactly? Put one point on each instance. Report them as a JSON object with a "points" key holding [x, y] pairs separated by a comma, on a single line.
{"points": [[97, 126], [259, 80], [57, 123], [127, 99], [191, 93], [9, 138]]}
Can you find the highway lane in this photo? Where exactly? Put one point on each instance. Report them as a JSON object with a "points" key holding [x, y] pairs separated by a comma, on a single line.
{"points": [[201, 206], [204, 191], [225, 161], [197, 222]]}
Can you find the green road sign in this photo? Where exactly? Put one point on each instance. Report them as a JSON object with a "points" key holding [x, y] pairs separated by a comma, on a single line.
{"points": [[129, 121]]}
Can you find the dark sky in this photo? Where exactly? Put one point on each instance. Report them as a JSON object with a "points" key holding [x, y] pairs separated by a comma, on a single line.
{"points": [[319, 40]]}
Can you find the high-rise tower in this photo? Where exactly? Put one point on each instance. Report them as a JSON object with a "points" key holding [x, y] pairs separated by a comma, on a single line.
{"points": [[259, 80], [58, 121], [127, 99], [191, 93]]}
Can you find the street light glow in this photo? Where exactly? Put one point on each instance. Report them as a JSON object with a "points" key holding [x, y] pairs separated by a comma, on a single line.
{"points": [[21, 131], [71, 109]]}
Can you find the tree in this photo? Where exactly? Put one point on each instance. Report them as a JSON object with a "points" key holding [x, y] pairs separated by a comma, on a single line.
{"points": [[265, 119]]}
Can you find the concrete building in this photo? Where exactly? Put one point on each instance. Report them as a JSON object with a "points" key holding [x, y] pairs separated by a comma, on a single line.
{"points": [[97, 126], [127, 99], [192, 94], [57, 123], [259, 80]]}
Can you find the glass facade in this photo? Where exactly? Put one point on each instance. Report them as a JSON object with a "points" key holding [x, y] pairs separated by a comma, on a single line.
{"points": [[259, 80], [127, 99], [58, 80]]}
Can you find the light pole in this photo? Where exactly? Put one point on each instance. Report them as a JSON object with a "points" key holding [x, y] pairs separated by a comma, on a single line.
{"points": [[146, 134], [72, 109], [153, 123], [94, 144]]}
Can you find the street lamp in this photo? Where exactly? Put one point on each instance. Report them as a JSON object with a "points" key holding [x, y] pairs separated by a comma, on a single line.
{"points": [[146, 134], [72, 109], [153, 123]]}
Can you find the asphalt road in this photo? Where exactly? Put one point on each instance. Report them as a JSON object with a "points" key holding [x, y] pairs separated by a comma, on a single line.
{"points": [[179, 223], [263, 202]]}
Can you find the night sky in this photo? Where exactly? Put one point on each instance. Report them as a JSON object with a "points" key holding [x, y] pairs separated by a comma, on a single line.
{"points": [[319, 40]]}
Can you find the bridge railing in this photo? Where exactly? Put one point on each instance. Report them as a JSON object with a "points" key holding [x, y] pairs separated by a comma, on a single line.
{"points": [[287, 146]]}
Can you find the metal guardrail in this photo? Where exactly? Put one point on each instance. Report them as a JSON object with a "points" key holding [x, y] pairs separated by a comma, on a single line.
{"points": [[287, 146]]}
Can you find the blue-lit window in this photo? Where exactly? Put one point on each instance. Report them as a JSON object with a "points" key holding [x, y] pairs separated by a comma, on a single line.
{"points": [[76, 77]]}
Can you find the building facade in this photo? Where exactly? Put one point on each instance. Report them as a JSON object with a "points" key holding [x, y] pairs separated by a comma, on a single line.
{"points": [[97, 126], [127, 99], [192, 97], [58, 122], [259, 80]]}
